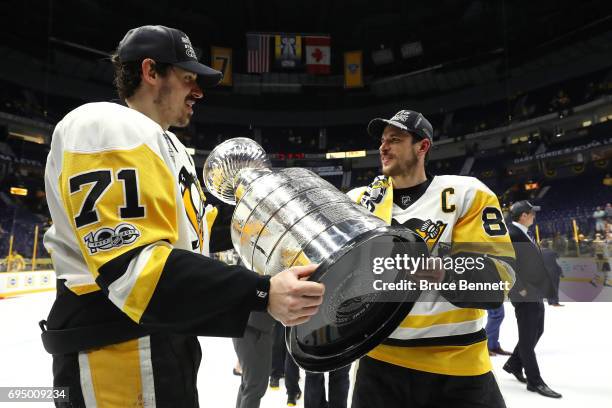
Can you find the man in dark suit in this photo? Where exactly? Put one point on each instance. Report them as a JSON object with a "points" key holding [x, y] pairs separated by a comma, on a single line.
{"points": [[532, 285]]}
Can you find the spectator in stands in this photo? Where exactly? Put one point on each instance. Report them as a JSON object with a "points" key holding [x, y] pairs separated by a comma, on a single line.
{"points": [[600, 219], [560, 102], [15, 262], [609, 213], [602, 259]]}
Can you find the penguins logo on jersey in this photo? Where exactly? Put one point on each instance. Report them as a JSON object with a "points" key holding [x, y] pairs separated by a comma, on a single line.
{"points": [[430, 231], [193, 200]]}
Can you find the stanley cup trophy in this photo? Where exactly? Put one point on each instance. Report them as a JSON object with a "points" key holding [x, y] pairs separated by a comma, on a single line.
{"points": [[291, 216]]}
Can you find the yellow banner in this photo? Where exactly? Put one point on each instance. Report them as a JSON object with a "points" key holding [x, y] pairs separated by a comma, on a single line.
{"points": [[353, 69], [222, 61]]}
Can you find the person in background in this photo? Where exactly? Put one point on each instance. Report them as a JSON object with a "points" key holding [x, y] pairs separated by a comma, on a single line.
{"points": [[284, 366], [254, 351], [495, 317], [602, 259], [15, 262], [599, 215], [532, 285], [338, 388]]}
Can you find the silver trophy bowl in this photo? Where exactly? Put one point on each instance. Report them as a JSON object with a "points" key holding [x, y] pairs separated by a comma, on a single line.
{"points": [[291, 216], [225, 162]]}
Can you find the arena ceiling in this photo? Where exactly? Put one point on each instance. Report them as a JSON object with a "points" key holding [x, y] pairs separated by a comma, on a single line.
{"points": [[448, 29]]}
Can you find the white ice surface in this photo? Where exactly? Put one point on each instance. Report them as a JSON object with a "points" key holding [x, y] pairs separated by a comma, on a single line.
{"points": [[574, 354]]}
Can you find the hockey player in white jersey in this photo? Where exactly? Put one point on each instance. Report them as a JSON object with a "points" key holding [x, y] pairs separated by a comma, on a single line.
{"points": [[131, 238], [438, 355]]}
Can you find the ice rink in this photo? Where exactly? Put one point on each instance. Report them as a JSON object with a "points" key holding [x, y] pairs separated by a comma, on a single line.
{"points": [[575, 357]]}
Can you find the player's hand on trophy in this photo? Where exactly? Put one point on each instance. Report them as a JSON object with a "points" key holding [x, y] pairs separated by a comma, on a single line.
{"points": [[293, 300]]}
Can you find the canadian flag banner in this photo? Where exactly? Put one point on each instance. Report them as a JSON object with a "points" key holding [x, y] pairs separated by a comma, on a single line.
{"points": [[318, 52]]}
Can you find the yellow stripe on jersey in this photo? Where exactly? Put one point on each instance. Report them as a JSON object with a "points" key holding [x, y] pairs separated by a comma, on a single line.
{"points": [[142, 291], [482, 229], [104, 364], [151, 174], [448, 360], [84, 289], [451, 316]]}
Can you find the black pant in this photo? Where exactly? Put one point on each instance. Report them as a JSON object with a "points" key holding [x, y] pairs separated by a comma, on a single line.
{"points": [[314, 389], [530, 321], [278, 351], [254, 351], [553, 299], [384, 385], [282, 363]]}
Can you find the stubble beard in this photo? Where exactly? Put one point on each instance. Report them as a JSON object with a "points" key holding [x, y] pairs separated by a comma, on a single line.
{"points": [[401, 169], [183, 121], [162, 100]]}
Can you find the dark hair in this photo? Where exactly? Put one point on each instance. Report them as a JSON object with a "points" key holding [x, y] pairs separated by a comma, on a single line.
{"points": [[127, 75], [517, 217]]}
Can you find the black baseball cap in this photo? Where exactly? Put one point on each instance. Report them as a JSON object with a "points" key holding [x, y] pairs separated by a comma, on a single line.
{"points": [[523, 206], [410, 121], [168, 45]]}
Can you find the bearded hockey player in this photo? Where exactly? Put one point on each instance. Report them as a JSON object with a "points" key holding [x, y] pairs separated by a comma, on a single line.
{"points": [[130, 241]]}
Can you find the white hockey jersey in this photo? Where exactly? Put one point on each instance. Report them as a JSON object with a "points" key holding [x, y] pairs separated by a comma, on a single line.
{"points": [[461, 212], [116, 181]]}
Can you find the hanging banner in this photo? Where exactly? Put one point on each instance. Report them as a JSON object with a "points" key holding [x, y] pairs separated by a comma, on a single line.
{"points": [[318, 54], [353, 69], [258, 53], [221, 60], [288, 51]]}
